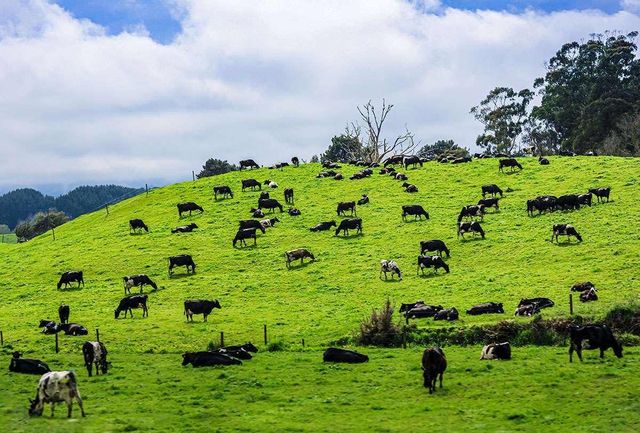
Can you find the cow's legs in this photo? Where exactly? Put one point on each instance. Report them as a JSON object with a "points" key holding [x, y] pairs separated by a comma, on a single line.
{"points": [[53, 405], [205, 317], [601, 352], [79, 404], [441, 374]]}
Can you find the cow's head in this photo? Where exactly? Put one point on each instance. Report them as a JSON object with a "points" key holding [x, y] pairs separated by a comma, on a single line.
{"points": [[117, 313], [427, 378], [187, 358], [216, 304], [250, 347], [617, 348], [36, 407]]}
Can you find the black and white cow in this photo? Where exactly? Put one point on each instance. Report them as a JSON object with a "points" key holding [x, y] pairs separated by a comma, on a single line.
{"points": [[295, 161], [95, 353], [434, 262], [416, 210], [568, 202], [139, 280], [135, 225], [131, 302], [288, 195], [389, 266], [298, 254], [323, 226], [271, 222], [294, 211], [70, 277], [334, 354], [496, 351], [470, 227], [199, 306], [223, 190], [73, 329], [420, 311], [592, 337], [345, 206], [543, 161], [492, 189], [251, 224], [185, 229], [565, 230], [49, 327], [363, 200], [585, 199], [589, 295], [601, 193], [248, 163], [349, 224], [63, 313], [56, 387], [409, 187], [182, 260], [188, 207], [434, 245], [208, 359], [472, 211], [251, 183], [27, 366], [449, 314], [486, 308]]}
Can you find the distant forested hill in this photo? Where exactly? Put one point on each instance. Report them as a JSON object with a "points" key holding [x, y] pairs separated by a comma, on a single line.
{"points": [[20, 204]]}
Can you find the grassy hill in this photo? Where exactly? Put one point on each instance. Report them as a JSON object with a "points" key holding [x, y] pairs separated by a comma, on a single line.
{"points": [[322, 301]]}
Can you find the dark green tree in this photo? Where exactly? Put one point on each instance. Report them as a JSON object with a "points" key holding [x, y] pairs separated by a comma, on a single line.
{"points": [[442, 147], [343, 148], [215, 166], [40, 223]]}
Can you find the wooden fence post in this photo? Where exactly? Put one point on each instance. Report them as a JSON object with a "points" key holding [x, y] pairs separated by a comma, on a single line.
{"points": [[404, 337], [1, 339], [221, 339], [303, 342], [57, 347], [146, 188], [193, 175], [265, 333], [571, 303], [106, 206], [53, 232]]}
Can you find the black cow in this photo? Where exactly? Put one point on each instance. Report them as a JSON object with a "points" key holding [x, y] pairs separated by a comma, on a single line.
{"points": [[338, 176], [248, 163], [63, 313], [434, 262], [471, 211], [409, 187], [70, 277], [263, 195], [395, 159], [489, 202], [411, 160], [95, 353], [269, 203], [243, 234], [223, 190], [256, 213], [434, 364], [363, 200], [601, 193], [565, 230], [492, 189], [334, 354], [421, 311], [449, 314], [486, 308], [130, 302], [73, 329], [568, 202], [49, 327], [185, 229], [188, 207], [434, 245], [509, 162], [295, 161], [288, 195], [349, 224], [581, 287], [252, 224], [543, 161], [470, 226], [585, 199], [298, 254], [323, 226], [294, 211], [541, 204], [182, 260], [27, 366], [496, 351], [346, 206], [136, 225], [208, 359], [199, 306], [529, 307], [251, 183], [139, 280], [410, 306], [416, 210], [595, 337]]}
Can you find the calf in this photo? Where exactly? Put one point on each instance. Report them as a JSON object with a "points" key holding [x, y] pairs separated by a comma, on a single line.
{"points": [[269, 203], [56, 387], [223, 190], [243, 234], [349, 224], [271, 222], [70, 277], [27, 366], [496, 351], [565, 230], [323, 226], [288, 195], [63, 313], [185, 229], [130, 302], [248, 163], [334, 354], [139, 280], [486, 308], [251, 183], [509, 162], [182, 260], [346, 206], [95, 353], [135, 225], [492, 189], [208, 359], [449, 314], [470, 227], [298, 254], [389, 266], [489, 202], [601, 193], [409, 187], [199, 306], [434, 262], [188, 207], [434, 245], [592, 337], [416, 210], [434, 364]]}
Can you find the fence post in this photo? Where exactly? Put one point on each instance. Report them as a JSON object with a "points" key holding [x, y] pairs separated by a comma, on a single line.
{"points": [[106, 206], [146, 188], [57, 347], [221, 338], [53, 232], [1, 339], [404, 337], [98, 335], [303, 342], [571, 303], [193, 175], [265, 333]]}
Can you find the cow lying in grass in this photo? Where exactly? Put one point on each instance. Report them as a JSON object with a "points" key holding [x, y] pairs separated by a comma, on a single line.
{"points": [[496, 351], [323, 226], [449, 314], [27, 366], [185, 229], [334, 354], [486, 308], [529, 307], [208, 359]]}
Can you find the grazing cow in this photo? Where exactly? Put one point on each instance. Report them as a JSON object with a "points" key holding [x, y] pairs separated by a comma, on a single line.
{"points": [[243, 234], [434, 364], [27, 366], [323, 226], [185, 229], [271, 222], [294, 211], [363, 200], [434, 262], [395, 159], [568, 202], [541, 204], [565, 230], [601, 193], [496, 351], [449, 314], [295, 161], [188, 206], [56, 387], [389, 266], [416, 210], [70, 277], [434, 245], [334, 354], [288, 195], [208, 359], [486, 308], [492, 189], [589, 295], [139, 280], [248, 163], [592, 337], [346, 206], [409, 187], [411, 160], [298, 254], [73, 329], [135, 225], [263, 195], [257, 213], [95, 353], [270, 203], [199, 306], [471, 211], [182, 260], [509, 162], [223, 190], [130, 302], [349, 224], [581, 287], [63, 313], [252, 224], [585, 199], [489, 202], [251, 183], [470, 226], [543, 161], [421, 311]]}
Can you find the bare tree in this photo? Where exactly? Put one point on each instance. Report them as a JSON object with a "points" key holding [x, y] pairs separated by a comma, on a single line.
{"points": [[377, 147]]}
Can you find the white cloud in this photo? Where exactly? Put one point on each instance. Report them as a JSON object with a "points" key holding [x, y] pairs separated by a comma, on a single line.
{"points": [[251, 79], [631, 5]]}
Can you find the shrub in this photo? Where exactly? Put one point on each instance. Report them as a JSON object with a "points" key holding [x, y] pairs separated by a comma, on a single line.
{"points": [[379, 329]]}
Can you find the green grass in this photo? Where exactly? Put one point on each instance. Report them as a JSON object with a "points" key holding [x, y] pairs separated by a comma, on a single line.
{"points": [[8, 238], [325, 300]]}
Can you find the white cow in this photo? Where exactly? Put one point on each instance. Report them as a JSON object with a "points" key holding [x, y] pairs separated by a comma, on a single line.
{"points": [[56, 387]]}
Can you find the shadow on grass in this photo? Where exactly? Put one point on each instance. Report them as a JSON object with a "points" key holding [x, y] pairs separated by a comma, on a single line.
{"points": [[70, 289], [140, 233], [347, 237], [299, 266], [178, 276], [243, 247], [432, 274]]}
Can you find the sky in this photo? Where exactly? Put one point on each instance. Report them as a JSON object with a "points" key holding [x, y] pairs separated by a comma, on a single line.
{"points": [[144, 91]]}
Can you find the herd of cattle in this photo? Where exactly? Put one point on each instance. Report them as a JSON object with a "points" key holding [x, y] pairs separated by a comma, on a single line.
{"points": [[55, 387]]}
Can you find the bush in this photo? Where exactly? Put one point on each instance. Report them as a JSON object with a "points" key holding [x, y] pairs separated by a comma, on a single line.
{"points": [[379, 329], [40, 223], [276, 346]]}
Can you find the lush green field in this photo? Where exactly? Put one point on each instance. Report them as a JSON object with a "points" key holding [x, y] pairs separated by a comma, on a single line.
{"points": [[8, 238], [324, 301]]}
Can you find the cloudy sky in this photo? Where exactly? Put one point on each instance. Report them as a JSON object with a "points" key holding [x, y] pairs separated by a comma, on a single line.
{"points": [[143, 91]]}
